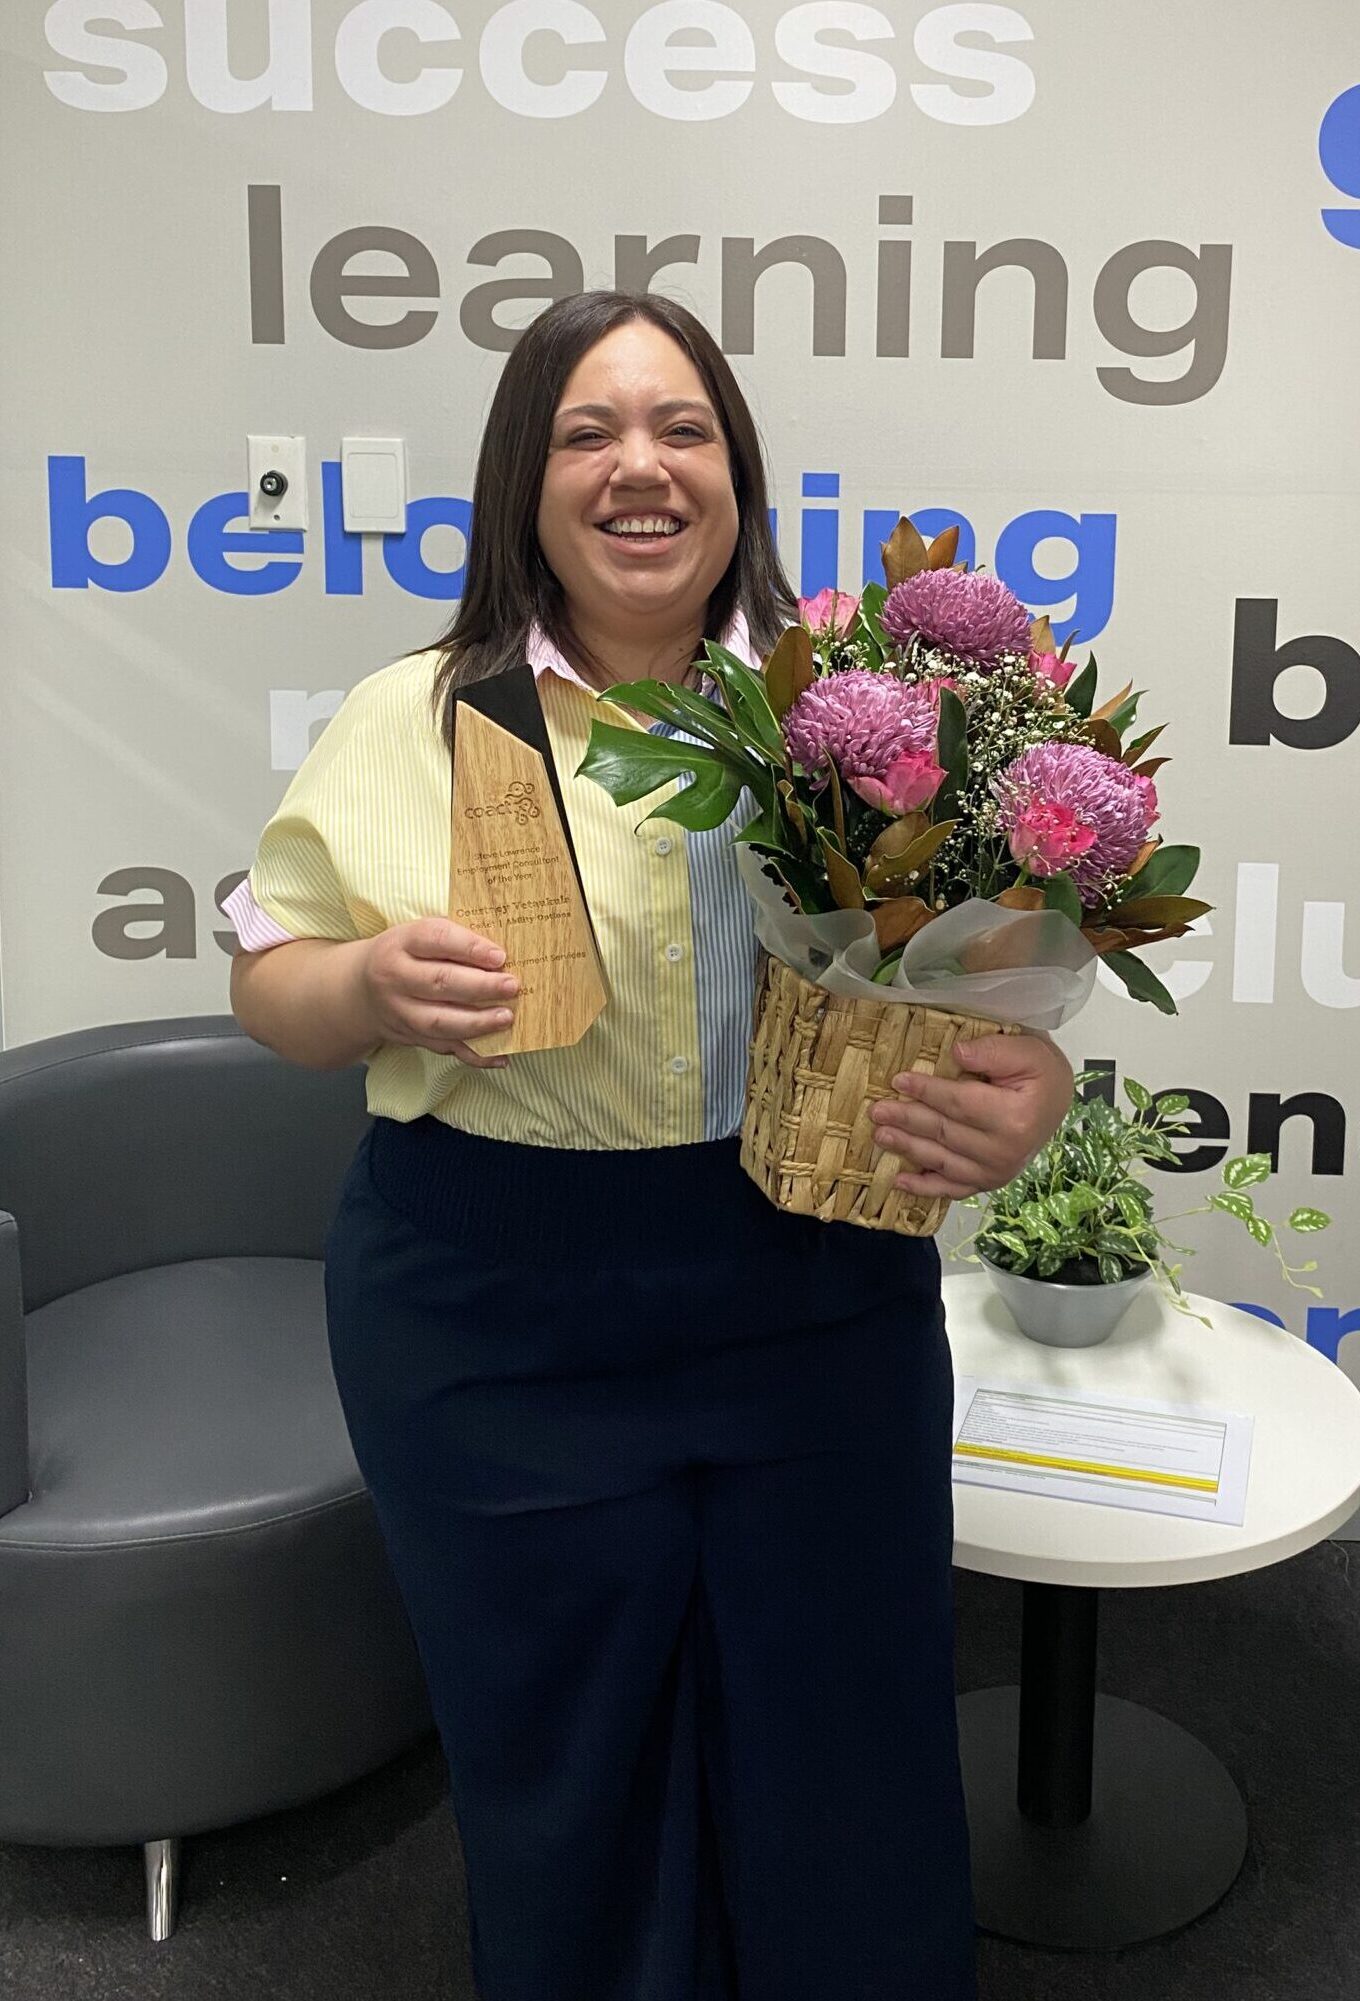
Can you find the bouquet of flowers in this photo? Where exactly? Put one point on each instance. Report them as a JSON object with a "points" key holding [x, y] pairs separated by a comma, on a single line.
{"points": [[941, 832]]}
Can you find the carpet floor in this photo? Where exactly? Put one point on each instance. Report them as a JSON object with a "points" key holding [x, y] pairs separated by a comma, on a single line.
{"points": [[359, 1897]]}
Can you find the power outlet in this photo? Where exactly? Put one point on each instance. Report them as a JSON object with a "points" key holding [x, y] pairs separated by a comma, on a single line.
{"points": [[269, 461]]}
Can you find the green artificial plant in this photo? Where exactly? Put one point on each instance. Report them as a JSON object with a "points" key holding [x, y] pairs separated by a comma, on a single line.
{"points": [[1081, 1212]]}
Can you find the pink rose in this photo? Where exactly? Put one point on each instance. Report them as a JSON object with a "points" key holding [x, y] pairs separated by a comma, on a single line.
{"points": [[1047, 837], [1048, 667], [829, 610], [910, 781], [1149, 792]]}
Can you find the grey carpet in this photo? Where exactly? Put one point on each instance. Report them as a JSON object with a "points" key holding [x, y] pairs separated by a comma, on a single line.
{"points": [[359, 1897]]}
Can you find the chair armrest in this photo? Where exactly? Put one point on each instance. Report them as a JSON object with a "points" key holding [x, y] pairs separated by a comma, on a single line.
{"points": [[14, 1487]]}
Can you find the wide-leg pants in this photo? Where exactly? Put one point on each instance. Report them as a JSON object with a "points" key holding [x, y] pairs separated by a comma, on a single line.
{"points": [[664, 1477]]}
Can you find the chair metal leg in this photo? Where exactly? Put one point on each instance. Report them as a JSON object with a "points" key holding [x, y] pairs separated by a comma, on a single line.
{"points": [[162, 1886]]}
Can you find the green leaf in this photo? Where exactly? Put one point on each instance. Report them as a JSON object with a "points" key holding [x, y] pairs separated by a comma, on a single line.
{"points": [[1080, 692], [1013, 1243], [1240, 1206], [1138, 1095], [1309, 1219], [952, 754], [769, 829], [801, 877], [1155, 911], [1141, 983], [710, 800], [1170, 1104], [746, 699], [691, 712], [871, 602], [630, 763], [1168, 872], [1134, 1205], [1125, 713], [1246, 1170], [1260, 1229], [1060, 893], [1111, 1270], [1141, 744]]}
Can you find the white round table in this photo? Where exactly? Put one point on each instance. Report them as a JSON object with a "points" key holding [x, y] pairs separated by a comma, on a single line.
{"points": [[1096, 1822]]}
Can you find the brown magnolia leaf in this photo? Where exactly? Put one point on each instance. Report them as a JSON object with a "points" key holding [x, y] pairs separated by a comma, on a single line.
{"points": [[1108, 708], [904, 553], [1138, 935], [1041, 635], [1159, 910], [770, 867], [1104, 938], [1144, 856], [898, 837], [837, 805], [789, 669], [1150, 768], [842, 875], [1062, 652], [1021, 897], [886, 877], [942, 551], [1104, 738], [899, 919], [1143, 743], [796, 816]]}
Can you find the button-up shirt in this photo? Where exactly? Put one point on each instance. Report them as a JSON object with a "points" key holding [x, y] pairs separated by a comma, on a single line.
{"points": [[360, 842]]}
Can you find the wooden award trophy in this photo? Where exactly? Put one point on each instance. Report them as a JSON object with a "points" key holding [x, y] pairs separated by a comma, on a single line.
{"points": [[512, 872]]}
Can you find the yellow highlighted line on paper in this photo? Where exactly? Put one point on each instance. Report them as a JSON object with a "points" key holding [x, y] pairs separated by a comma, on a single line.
{"points": [[1085, 1466]]}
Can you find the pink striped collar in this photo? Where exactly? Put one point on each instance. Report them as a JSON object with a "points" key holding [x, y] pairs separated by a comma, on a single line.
{"points": [[545, 658]]}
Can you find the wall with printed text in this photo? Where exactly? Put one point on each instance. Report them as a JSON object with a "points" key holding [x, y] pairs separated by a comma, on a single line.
{"points": [[1085, 280]]}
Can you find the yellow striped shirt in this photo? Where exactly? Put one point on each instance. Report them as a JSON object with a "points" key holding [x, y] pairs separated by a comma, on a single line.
{"points": [[360, 842]]}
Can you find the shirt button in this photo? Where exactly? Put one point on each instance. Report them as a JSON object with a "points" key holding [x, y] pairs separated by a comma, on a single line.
{"points": [[679, 1065], [664, 845], [674, 952]]}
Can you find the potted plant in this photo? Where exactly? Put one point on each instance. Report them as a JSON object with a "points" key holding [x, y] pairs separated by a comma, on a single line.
{"points": [[1069, 1243]]}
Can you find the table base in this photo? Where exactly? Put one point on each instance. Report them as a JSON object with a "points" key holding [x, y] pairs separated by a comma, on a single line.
{"points": [[1164, 1839]]}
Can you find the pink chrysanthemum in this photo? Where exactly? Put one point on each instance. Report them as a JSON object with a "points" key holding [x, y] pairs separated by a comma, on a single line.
{"points": [[860, 721], [1054, 796], [961, 611]]}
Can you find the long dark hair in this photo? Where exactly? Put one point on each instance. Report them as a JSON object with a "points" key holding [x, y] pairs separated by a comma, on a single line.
{"points": [[508, 586]]}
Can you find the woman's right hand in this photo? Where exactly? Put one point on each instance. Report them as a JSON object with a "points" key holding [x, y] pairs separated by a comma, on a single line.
{"points": [[433, 985]]}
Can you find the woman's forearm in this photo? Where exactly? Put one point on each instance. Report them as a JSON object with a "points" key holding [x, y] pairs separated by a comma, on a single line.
{"points": [[306, 1001]]}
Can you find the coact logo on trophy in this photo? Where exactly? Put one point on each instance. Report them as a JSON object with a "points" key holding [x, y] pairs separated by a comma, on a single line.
{"points": [[520, 800]]}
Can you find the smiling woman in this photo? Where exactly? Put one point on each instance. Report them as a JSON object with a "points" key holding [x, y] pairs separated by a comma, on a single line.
{"points": [[663, 1471], [637, 506], [620, 433]]}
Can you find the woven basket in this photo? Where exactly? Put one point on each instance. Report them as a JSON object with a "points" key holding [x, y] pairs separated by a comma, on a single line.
{"points": [[818, 1061]]}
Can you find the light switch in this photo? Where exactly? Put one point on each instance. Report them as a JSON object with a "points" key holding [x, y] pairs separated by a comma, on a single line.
{"points": [[373, 484], [276, 482]]}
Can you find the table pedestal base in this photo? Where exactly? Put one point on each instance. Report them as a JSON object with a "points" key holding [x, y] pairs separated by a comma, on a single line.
{"points": [[1130, 1827]]}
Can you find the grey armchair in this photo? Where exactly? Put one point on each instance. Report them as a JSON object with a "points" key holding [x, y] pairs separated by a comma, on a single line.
{"points": [[198, 1624]]}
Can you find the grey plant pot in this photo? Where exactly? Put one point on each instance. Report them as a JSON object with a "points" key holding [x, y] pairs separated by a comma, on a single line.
{"points": [[1065, 1316]]}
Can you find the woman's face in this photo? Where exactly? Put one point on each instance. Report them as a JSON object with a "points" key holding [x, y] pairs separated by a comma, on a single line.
{"points": [[637, 517]]}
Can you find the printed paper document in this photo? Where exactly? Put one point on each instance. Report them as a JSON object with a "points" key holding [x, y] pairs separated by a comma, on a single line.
{"points": [[1121, 1451]]}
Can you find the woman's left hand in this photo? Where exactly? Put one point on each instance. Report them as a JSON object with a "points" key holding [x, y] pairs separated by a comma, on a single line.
{"points": [[960, 1136]]}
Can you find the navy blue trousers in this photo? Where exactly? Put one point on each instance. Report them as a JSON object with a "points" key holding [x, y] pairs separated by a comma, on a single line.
{"points": [[664, 1477]]}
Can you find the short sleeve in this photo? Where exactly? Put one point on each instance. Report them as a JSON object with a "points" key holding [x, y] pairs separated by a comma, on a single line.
{"points": [[295, 881]]}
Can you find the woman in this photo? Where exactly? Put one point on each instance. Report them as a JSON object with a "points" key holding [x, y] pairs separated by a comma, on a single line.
{"points": [[664, 1473]]}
